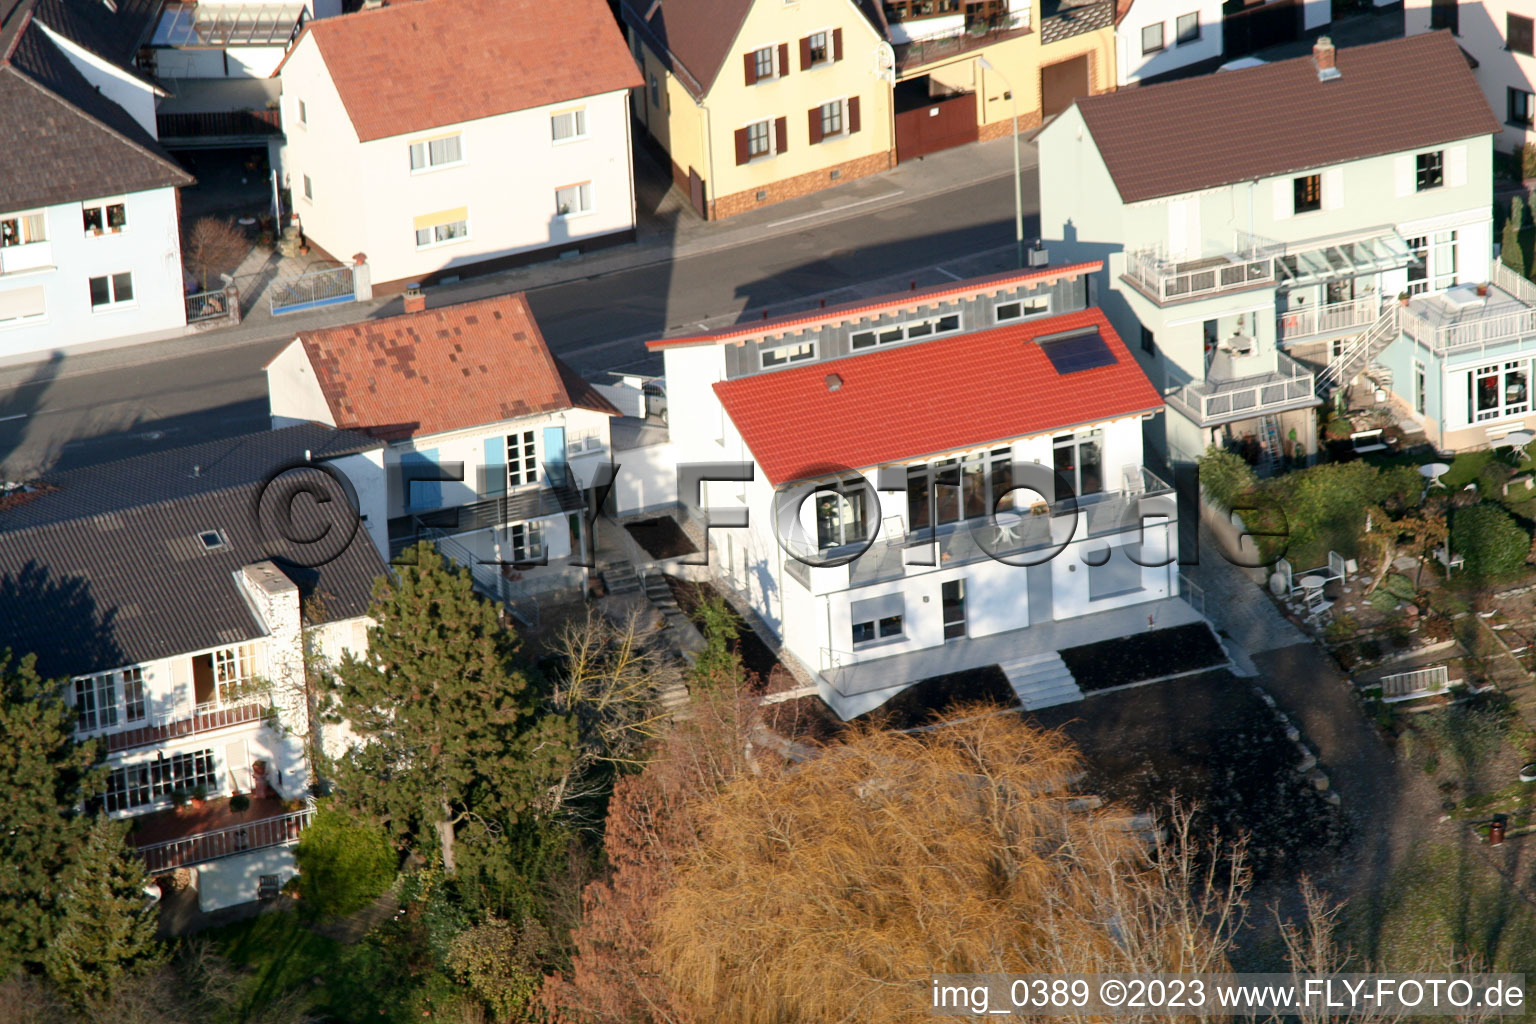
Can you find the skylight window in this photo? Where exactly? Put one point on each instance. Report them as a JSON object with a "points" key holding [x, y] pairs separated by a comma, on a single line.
{"points": [[1078, 351], [212, 540]]}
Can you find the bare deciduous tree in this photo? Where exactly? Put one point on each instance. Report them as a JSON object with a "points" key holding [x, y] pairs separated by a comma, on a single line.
{"points": [[214, 246]]}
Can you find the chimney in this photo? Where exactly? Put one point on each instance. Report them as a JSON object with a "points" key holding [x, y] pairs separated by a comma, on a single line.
{"points": [[1322, 56], [834, 382], [415, 299]]}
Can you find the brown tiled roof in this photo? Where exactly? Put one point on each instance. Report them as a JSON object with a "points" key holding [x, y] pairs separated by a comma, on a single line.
{"points": [[416, 66], [65, 141], [444, 369], [693, 37], [1217, 129]]}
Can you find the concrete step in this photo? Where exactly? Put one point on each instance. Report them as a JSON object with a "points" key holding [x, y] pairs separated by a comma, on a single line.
{"points": [[1041, 680], [620, 578]]}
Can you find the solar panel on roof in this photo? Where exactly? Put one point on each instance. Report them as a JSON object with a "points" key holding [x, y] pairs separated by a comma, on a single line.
{"points": [[1073, 353]]}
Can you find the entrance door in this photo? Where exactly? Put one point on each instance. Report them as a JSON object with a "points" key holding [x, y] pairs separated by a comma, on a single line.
{"points": [[203, 689], [953, 602], [1062, 83], [554, 455], [1037, 580]]}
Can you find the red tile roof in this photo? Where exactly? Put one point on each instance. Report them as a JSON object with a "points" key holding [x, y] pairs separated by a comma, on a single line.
{"points": [[445, 369], [868, 307], [417, 66], [1218, 129], [949, 394]]}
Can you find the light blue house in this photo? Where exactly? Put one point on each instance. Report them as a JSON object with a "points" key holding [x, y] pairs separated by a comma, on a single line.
{"points": [[1261, 227]]}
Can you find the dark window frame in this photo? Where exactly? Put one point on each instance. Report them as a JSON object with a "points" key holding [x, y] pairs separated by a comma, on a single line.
{"points": [[1162, 40], [1307, 193], [1429, 170], [1517, 99], [1180, 37], [1520, 34]]}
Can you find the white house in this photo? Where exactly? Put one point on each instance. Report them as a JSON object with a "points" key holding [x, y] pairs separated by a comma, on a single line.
{"points": [[932, 481], [90, 247], [166, 590], [491, 439], [1500, 35], [1154, 37], [1267, 273], [434, 158]]}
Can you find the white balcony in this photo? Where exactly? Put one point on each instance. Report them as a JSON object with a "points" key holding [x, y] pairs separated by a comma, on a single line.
{"points": [[1328, 320], [1214, 402], [16, 259], [1460, 319], [1165, 280]]}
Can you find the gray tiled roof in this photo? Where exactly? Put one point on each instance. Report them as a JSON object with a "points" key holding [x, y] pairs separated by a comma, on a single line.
{"points": [[65, 140], [106, 568], [113, 33]]}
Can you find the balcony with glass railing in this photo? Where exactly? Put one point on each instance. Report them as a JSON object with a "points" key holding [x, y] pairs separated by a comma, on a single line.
{"points": [[1213, 402]]}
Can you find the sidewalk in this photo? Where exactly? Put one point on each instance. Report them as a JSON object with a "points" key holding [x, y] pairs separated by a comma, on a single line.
{"points": [[668, 230]]}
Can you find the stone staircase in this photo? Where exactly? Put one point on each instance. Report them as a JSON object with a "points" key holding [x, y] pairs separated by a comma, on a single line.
{"points": [[1041, 680], [660, 594], [620, 578]]}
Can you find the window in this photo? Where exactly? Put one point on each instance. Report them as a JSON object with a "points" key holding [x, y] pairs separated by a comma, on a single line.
{"points": [[22, 229], [139, 785], [655, 92], [1429, 170], [569, 124], [1443, 260], [952, 607], [950, 490], [1418, 271], [233, 672], [1028, 306], [443, 227], [1151, 38], [211, 539], [832, 118], [762, 63], [1148, 341], [1308, 193], [96, 702], [841, 516], [817, 47], [1079, 458], [1188, 28], [436, 153], [786, 354], [1445, 14], [522, 459], [1077, 351], [101, 217], [1520, 108], [947, 324], [574, 199], [303, 113], [757, 139], [22, 304], [309, 188], [527, 542], [113, 290], [1518, 34], [133, 694], [1499, 390], [1419, 403], [877, 618]]}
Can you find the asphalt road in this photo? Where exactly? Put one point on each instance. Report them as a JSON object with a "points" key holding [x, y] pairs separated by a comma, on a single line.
{"points": [[596, 324]]}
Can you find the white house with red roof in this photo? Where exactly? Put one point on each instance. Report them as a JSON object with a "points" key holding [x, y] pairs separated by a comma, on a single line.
{"points": [[934, 481], [437, 159], [491, 439]]}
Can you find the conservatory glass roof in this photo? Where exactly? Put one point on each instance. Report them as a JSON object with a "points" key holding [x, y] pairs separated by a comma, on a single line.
{"points": [[228, 24]]}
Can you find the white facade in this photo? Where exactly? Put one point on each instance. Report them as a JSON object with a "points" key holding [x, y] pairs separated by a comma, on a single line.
{"points": [[1159, 36], [73, 286], [1491, 31], [497, 192]]}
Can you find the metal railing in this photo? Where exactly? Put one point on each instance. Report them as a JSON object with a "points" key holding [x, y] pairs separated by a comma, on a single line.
{"points": [[1192, 593], [264, 833], [1310, 321], [1473, 333], [209, 305], [1506, 279], [970, 36], [311, 290], [1289, 386], [1004, 536], [1358, 355], [221, 123], [172, 725], [1166, 280], [1403, 685]]}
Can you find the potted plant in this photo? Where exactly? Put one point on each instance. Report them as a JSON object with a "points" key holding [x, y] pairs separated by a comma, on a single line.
{"points": [[199, 795], [239, 803], [179, 799], [1482, 289], [1402, 297]]}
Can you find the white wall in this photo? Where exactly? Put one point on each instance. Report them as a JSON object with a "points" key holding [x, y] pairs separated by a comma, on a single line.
{"points": [[647, 478], [229, 881], [1481, 33], [133, 94], [365, 470], [149, 248], [1132, 65], [293, 393]]}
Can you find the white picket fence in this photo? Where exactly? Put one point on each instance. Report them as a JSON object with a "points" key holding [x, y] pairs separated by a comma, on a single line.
{"points": [[1418, 683]]}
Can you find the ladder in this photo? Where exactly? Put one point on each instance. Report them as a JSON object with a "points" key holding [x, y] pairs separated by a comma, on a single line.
{"points": [[1272, 457]]}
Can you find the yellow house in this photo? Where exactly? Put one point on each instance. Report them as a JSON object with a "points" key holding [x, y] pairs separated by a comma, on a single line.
{"points": [[1042, 55], [758, 102]]}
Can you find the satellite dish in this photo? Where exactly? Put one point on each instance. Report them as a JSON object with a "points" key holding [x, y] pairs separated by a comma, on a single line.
{"points": [[885, 62]]}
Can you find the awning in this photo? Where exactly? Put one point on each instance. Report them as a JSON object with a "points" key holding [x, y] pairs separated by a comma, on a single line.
{"points": [[1337, 260]]}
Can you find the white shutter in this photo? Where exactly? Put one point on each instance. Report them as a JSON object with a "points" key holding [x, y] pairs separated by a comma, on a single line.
{"points": [[1178, 223], [1285, 199], [1404, 175], [1456, 166], [1192, 236], [1333, 188], [21, 302]]}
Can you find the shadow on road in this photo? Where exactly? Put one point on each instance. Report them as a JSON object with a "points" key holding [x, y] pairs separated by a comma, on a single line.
{"points": [[17, 405]]}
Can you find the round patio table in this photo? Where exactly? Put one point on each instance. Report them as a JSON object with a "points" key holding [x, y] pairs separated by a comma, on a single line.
{"points": [[1311, 582]]}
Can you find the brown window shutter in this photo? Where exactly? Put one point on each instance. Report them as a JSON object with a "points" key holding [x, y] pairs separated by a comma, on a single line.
{"points": [[805, 53], [853, 114], [837, 44], [781, 131], [783, 59], [743, 147], [815, 124], [751, 63]]}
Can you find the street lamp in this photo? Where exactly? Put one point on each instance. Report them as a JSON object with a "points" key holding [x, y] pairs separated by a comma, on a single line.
{"points": [[1018, 181]]}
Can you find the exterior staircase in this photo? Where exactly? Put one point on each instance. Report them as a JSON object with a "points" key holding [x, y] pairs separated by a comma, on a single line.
{"points": [[620, 578], [1360, 352], [660, 595], [1041, 680]]}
